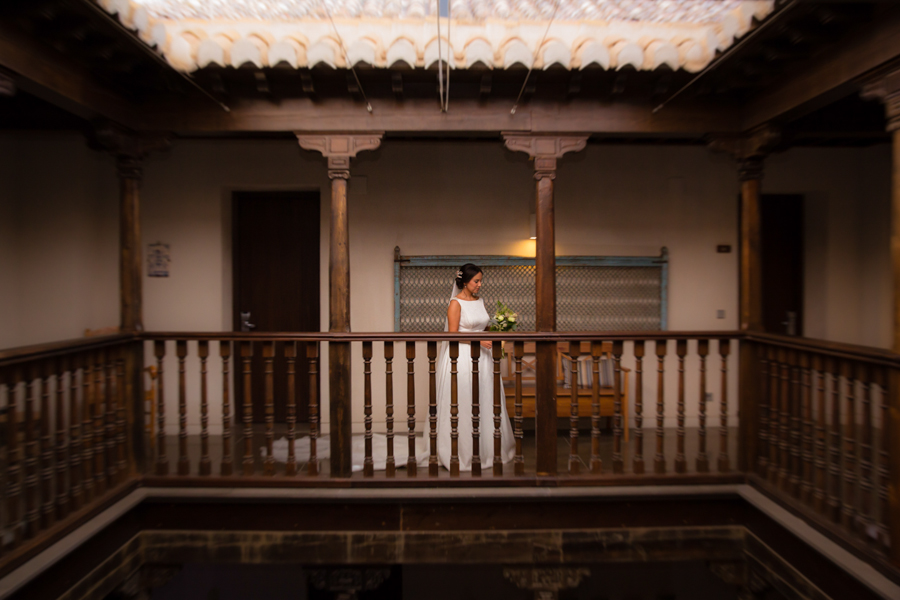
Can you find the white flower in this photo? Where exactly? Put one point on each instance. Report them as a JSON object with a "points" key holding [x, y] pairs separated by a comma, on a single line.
{"points": [[512, 319]]}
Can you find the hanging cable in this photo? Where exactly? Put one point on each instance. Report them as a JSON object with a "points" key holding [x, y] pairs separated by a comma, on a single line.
{"points": [[347, 58], [449, 57], [534, 58], [440, 57]]}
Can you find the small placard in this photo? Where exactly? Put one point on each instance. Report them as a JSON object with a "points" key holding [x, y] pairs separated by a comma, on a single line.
{"points": [[723, 249], [158, 260]]}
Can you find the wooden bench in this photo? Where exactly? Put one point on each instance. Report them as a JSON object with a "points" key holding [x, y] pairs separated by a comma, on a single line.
{"points": [[563, 393]]}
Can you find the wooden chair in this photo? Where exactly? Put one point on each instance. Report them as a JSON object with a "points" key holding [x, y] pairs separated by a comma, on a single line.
{"points": [[563, 393]]}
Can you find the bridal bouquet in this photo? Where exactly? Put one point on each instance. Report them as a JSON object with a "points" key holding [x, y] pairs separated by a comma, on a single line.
{"points": [[504, 319]]}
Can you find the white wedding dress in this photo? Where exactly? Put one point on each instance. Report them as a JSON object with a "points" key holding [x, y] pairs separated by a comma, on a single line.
{"points": [[473, 318]]}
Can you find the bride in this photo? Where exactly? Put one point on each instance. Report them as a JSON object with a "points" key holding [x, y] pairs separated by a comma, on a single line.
{"points": [[466, 313]]}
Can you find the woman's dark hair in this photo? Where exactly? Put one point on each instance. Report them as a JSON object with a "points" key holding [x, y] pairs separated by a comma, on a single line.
{"points": [[465, 274]]}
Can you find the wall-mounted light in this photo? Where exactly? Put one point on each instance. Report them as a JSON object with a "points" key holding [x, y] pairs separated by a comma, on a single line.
{"points": [[532, 230]]}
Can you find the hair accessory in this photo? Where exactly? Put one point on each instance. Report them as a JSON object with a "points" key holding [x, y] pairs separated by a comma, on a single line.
{"points": [[459, 274]]}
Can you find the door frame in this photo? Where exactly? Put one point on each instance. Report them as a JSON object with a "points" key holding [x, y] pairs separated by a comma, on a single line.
{"points": [[229, 256]]}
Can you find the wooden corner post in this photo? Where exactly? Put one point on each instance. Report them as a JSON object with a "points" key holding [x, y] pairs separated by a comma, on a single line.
{"points": [[339, 149], [545, 150], [887, 89], [749, 150], [130, 149]]}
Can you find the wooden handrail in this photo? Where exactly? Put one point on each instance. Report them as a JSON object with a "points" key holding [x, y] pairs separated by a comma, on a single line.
{"points": [[878, 356], [532, 336], [22, 354]]}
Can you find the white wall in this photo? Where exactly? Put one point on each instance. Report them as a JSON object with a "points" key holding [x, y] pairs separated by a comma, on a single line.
{"points": [[429, 198], [848, 277], [60, 239]]}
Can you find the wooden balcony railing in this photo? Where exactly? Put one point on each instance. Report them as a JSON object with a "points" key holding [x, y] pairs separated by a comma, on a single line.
{"points": [[379, 352], [823, 434], [812, 424]]}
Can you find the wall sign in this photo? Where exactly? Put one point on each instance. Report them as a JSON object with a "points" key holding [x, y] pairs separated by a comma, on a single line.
{"points": [[158, 260]]}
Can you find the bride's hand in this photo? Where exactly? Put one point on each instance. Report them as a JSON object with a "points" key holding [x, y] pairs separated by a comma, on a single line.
{"points": [[487, 345]]}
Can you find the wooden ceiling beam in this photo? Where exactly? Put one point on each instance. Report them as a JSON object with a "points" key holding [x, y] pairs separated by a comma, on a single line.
{"points": [[54, 77], [465, 116], [832, 74]]}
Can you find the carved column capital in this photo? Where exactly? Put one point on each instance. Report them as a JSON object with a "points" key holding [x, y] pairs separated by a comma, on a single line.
{"points": [[339, 148], [886, 89], [544, 149], [749, 150], [128, 147]]}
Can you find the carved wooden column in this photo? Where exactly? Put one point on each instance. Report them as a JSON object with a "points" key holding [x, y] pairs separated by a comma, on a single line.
{"points": [[129, 149], [339, 149], [887, 89], [749, 150], [545, 150]]}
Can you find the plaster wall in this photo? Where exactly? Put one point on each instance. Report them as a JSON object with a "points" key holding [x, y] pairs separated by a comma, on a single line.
{"points": [[430, 198], [59, 239]]}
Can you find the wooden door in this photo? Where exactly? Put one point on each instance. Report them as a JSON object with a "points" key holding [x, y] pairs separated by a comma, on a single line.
{"points": [[781, 241], [276, 281]]}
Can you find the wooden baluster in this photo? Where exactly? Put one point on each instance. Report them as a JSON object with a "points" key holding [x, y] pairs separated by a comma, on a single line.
{"points": [[884, 459], [312, 355], [866, 478], [368, 463], [13, 457], [111, 395], [411, 462], [205, 462], [62, 448], [774, 414], [574, 353], [762, 457], [848, 500], [29, 464], [617, 462], [99, 428], [820, 459], [246, 359], [454, 411], [795, 426], [659, 462], [184, 465], [596, 353], [162, 461], [702, 455], [432, 410], [497, 354], [389, 465], [290, 357], [476, 409], [638, 461], [46, 457], [785, 358], [87, 435], [268, 351], [227, 467], [724, 465], [806, 479], [519, 461], [121, 417], [834, 446], [76, 496], [680, 460]]}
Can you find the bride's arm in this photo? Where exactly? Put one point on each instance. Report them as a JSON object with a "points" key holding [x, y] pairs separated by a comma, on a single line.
{"points": [[453, 312]]}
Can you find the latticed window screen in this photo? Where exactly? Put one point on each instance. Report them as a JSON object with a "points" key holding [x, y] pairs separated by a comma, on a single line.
{"points": [[592, 293]]}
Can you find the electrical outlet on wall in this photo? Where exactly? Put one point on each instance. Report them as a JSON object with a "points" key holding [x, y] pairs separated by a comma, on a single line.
{"points": [[720, 314], [709, 397]]}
